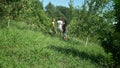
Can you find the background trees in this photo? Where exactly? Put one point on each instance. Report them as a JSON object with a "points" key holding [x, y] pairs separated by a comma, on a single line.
{"points": [[50, 10]]}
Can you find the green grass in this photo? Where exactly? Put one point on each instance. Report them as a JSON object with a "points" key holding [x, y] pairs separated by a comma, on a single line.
{"points": [[24, 48]]}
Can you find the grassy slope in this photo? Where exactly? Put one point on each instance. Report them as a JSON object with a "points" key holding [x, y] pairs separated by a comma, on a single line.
{"points": [[23, 48]]}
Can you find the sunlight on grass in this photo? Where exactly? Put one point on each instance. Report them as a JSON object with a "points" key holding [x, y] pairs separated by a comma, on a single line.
{"points": [[27, 48]]}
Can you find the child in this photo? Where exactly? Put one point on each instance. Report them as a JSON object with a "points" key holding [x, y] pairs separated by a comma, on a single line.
{"points": [[53, 26]]}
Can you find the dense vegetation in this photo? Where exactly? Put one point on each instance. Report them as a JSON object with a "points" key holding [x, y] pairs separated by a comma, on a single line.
{"points": [[22, 23], [112, 38]]}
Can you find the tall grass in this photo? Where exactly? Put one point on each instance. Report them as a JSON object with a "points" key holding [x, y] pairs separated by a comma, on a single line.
{"points": [[24, 48]]}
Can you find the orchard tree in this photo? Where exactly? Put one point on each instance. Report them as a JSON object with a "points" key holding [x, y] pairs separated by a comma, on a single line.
{"points": [[88, 20]]}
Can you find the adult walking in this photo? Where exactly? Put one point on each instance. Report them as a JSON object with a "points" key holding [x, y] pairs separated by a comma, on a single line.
{"points": [[60, 23], [65, 30]]}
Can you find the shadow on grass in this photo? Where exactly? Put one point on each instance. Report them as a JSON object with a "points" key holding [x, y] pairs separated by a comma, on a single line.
{"points": [[70, 41], [77, 53], [74, 42]]}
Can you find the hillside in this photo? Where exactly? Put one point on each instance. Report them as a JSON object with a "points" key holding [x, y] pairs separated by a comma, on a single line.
{"points": [[25, 48]]}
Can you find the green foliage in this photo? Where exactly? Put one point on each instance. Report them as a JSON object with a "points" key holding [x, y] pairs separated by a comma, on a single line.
{"points": [[111, 39], [35, 15], [63, 12], [71, 10], [117, 12], [58, 11], [50, 10], [110, 42], [30, 12], [88, 21]]}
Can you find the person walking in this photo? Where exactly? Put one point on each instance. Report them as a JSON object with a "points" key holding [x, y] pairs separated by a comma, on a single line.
{"points": [[53, 26], [60, 23], [65, 30]]}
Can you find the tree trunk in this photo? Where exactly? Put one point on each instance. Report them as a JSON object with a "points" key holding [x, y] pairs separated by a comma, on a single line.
{"points": [[87, 38], [8, 23]]}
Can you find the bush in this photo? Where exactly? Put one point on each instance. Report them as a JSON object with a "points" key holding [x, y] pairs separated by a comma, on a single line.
{"points": [[111, 43]]}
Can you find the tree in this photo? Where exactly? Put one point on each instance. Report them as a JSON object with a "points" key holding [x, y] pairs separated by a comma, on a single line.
{"points": [[50, 10], [71, 11], [36, 15], [63, 12], [117, 14], [88, 18], [111, 40]]}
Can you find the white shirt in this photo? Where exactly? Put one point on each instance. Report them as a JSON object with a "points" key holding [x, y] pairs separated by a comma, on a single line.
{"points": [[60, 23]]}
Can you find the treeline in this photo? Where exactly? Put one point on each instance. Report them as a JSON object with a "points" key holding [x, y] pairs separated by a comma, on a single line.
{"points": [[94, 20]]}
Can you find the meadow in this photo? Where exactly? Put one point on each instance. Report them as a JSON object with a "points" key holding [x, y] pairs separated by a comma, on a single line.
{"points": [[21, 47]]}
